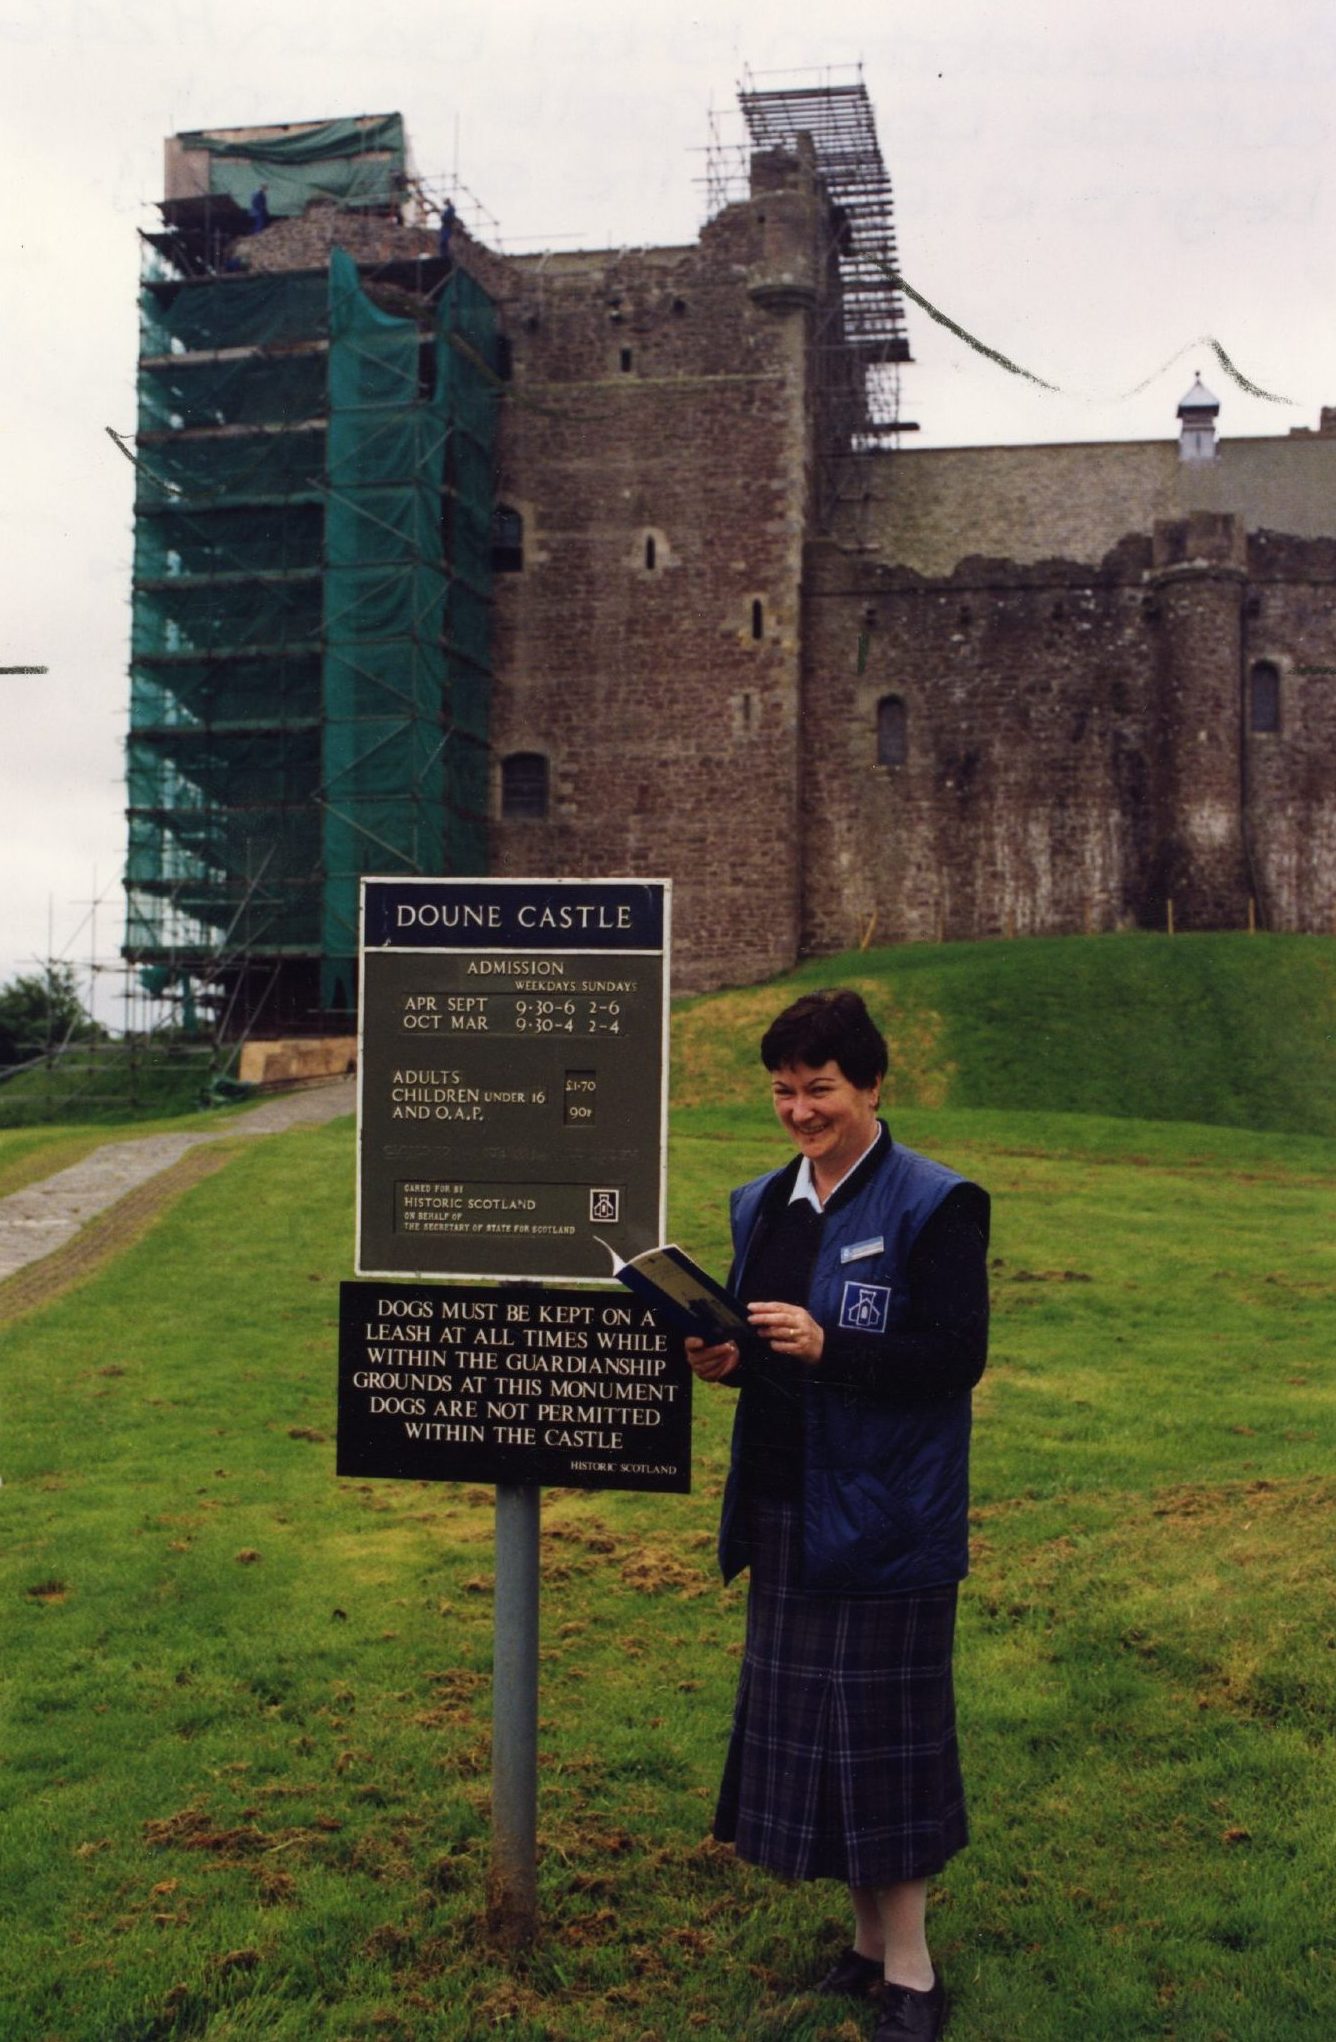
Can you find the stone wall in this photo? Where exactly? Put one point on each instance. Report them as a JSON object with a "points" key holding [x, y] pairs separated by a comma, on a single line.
{"points": [[931, 507], [1079, 750], [1020, 805]]}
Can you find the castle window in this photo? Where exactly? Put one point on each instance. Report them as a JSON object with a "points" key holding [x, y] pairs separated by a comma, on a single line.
{"points": [[757, 618], [651, 551], [892, 739], [626, 361], [1264, 696], [507, 540], [524, 786]]}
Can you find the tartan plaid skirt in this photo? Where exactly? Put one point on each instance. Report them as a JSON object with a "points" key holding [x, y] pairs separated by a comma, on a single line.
{"points": [[843, 1762]]}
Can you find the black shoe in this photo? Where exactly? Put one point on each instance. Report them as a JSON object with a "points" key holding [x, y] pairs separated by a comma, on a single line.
{"points": [[911, 2016], [852, 1974]]}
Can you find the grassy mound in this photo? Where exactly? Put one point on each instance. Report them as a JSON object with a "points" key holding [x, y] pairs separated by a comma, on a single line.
{"points": [[1232, 1029], [108, 1082]]}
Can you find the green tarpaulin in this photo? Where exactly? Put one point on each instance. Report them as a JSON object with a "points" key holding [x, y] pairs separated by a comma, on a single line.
{"points": [[352, 162]]}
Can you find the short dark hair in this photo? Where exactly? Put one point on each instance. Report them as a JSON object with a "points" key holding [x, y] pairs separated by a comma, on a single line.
{"points": [[832, 1026]]}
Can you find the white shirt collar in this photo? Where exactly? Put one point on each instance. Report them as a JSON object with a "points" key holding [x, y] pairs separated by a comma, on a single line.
{"points": [[803, 1187]]}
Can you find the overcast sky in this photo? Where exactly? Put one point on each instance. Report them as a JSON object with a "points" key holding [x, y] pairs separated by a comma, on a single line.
{"points": [[1088, 188]]}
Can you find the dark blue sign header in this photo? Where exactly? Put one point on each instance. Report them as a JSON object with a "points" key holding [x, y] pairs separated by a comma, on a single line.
{"points": [[522, 914]]}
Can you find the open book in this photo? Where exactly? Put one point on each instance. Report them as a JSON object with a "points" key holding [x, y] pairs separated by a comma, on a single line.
{"points": [[672, 1283]]}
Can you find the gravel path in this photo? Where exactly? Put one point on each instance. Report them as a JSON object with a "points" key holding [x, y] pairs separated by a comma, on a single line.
{"points": [[44, 1217]]}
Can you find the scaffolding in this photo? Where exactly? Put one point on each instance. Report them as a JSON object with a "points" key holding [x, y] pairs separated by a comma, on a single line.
{"points": [[838, 117], [310, 645], [109, 1046]]}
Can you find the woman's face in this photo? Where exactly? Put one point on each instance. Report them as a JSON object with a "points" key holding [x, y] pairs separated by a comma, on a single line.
{"points": [[831, 1120]]}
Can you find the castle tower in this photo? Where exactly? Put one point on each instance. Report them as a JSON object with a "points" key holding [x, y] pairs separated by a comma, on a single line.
{"points": [[656, 462], [1199, 578], [312, 522]]}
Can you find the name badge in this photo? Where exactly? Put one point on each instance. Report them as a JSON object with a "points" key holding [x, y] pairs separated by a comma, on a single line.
{"points": [[858, 1250], [865, 1307]]}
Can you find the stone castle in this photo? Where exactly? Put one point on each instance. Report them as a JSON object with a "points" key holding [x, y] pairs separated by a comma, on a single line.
{"points": [[840, 690]]}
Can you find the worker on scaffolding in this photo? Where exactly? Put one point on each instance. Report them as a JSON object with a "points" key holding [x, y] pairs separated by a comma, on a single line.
{"points": [[445, 230], [259, 209]]}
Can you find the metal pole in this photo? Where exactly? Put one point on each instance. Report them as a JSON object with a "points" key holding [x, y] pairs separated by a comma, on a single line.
{"points": [[512, 1898]]}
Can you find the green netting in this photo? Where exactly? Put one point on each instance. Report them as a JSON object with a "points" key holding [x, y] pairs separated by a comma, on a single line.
{"points": [[193, 768], [247, 389], [260, 463], [264, 690], [309, 679], [231, 612], [233, 539], [242, 878], [356, 162], [223, 761], [204, 314], [391, 786], [466, 381]]}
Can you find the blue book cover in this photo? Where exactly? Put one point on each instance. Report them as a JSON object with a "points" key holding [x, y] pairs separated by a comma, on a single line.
{"points": [[667, 1279]]}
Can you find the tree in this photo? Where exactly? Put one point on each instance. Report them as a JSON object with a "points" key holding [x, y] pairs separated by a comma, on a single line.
{"points": [[41, 1011]]}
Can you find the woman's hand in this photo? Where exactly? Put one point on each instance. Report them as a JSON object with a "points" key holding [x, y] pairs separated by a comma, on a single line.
{"points": [[789, 1330], [712, 1364]]}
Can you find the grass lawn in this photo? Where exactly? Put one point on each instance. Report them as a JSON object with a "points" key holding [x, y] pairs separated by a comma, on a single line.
{"points": [[247, 1706]]}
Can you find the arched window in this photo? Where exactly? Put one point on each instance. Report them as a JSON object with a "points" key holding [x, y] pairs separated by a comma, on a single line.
{"points": [[651, 551], [892, 738], [1264, 696], [524, 786], [507, 540]]}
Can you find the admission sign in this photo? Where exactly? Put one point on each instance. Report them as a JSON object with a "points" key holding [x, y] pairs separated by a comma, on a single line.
{"points": [[512, 1066]]}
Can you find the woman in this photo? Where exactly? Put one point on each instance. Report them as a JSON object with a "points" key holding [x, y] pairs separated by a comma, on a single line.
{"points": [[863, 1268]]}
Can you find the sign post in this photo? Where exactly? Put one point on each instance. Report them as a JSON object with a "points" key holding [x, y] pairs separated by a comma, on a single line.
{"points": [[512, 1895], [512, 1122]]}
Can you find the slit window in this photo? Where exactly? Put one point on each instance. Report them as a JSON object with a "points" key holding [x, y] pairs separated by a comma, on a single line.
{"points": [[757, 618], [892, 736], [1264, 697], [651, 551], [626, 361], [507, 540], [524, 786]]}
